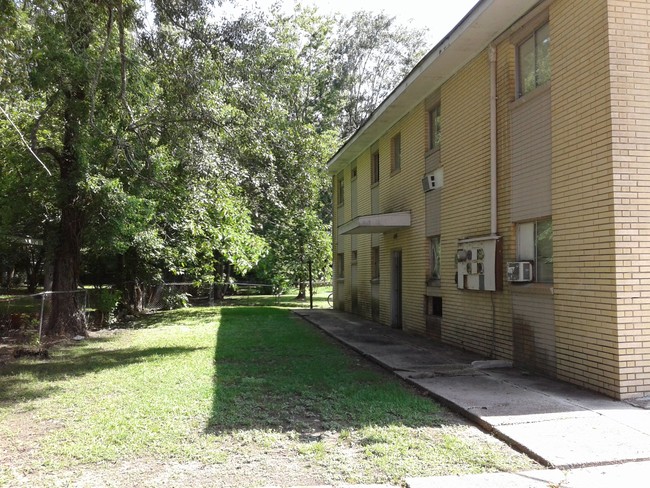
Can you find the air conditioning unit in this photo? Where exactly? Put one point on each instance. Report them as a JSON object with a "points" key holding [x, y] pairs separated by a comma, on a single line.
{"points": [[429, 183], [519, 272]]}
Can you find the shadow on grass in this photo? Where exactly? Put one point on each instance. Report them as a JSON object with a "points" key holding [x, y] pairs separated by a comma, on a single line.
{"points": [[273, 371], [26, 380]]}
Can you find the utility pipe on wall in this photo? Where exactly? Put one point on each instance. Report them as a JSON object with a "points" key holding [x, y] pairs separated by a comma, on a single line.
{"points": [[493, 140]]}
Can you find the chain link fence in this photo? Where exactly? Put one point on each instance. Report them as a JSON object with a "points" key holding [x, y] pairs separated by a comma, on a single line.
{"points": [[23, 317]]}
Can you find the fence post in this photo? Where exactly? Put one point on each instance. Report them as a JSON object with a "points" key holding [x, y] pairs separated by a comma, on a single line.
{"points": [[40, 326], [311, 288]]}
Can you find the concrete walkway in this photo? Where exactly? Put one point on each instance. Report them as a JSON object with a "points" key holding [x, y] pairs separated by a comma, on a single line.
{"points": [[555, 423]]}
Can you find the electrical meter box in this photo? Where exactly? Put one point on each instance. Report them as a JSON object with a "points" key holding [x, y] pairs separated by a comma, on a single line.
{"points": [[477, 262]]}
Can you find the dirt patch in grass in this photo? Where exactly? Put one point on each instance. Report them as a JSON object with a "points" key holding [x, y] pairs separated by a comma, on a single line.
{"points": [[285, 464], [157, 473]]}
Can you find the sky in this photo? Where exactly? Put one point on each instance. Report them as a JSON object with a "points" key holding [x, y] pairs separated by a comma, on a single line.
{"points": [[439, 16]]}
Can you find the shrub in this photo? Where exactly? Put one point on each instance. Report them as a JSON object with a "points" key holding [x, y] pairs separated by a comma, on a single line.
{"points": [[173, 299], [106, 303]]}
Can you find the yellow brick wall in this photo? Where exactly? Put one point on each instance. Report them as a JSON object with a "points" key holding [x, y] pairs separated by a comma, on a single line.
{"points": [[363, 240], [600, 199], [629, 45], [505, 60], [471, 319], [401, 191], [584, 241]]}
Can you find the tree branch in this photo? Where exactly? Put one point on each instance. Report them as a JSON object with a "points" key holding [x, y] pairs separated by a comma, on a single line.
{"points": [[120, 22], [48, 150], [41, 116], [100, 64], [24, 141]]}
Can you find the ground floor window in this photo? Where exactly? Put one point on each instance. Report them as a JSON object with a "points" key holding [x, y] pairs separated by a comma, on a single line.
{"points": [[340, 266], [374, 263], [433, 306], [535, 243], [434, 259]]}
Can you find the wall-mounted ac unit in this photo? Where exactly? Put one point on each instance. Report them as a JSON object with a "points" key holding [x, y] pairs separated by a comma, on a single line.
{"points": [[429, 182], [519, 272]]}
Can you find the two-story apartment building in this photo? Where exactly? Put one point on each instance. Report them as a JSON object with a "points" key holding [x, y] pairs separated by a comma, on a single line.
{"points": [[499, 199]]}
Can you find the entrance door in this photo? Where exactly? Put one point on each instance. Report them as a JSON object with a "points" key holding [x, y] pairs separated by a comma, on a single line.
{"points": [[396, 285]]}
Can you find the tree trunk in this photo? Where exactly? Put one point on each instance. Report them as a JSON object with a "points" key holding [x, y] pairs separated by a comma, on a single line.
{"points": [[132, 288], [67, 314], [302, 291], [10, 277], [223, 271]]}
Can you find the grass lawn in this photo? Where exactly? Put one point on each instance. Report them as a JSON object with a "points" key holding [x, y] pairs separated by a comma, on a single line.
{"points": [[231, 396], [287, 299]]}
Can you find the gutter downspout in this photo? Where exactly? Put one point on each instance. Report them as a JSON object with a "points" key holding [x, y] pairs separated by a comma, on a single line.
{"points": [[493, 140], [493, 172]]}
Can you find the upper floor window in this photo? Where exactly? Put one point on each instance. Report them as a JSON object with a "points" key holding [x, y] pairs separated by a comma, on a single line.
{"points": [[374, 162], [340, 189], [434, 128], [535, 243], [396, 153], [533, 62]]}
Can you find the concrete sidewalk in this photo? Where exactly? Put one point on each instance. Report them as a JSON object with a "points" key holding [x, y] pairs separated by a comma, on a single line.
{"points": [[558, 424]]}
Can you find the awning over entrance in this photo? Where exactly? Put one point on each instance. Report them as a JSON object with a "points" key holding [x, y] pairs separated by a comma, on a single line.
{"points": [[375, 224]]}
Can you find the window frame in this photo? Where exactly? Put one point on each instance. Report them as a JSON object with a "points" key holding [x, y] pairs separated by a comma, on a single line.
{"points": [[433, 306], [340, 190], [340, 266], [374, 168], [528, 247], [520, 79], [433, 271], [434, 117], [396, 153], [375, 270]]}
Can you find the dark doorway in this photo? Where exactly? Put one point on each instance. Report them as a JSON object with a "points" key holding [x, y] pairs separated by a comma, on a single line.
{"points": [[396, 285]]}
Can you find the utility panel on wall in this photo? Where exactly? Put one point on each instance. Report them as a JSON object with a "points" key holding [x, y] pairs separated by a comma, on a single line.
{"points": [[477, 263]]}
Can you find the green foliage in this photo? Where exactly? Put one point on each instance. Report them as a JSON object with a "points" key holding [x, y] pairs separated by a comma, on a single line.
{"points": [[367, 44], [173, 299], [181, 143], [107, 300]]}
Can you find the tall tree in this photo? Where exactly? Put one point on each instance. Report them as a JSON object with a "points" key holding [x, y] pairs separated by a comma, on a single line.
{"points": [[178, 142], [374, 54], [123, 116]]}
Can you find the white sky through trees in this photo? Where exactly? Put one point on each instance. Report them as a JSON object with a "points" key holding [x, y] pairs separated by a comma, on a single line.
{"points": [[439, 16]]}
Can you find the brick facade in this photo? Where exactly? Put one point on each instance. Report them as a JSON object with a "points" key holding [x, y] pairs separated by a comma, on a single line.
{"points": [[575, 150]]}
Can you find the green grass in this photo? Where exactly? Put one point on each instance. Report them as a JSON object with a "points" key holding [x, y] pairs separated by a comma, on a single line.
{"points": [[13, 304], [287, 299], [217, 385]]}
